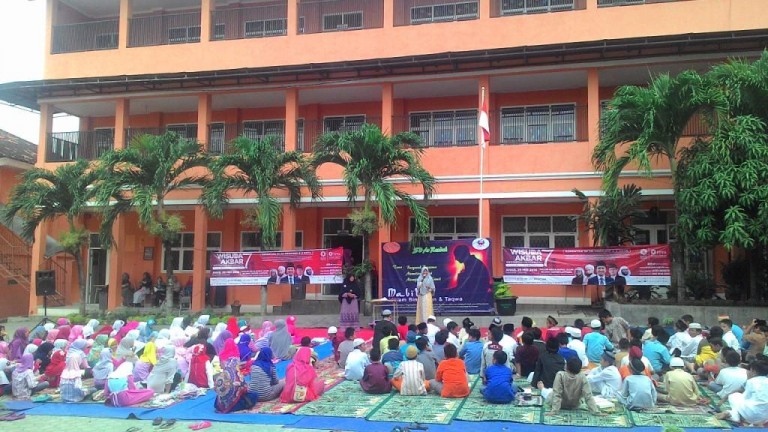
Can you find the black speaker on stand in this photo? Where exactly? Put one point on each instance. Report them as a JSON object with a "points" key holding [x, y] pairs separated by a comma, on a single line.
{"points": [[45, 285]]}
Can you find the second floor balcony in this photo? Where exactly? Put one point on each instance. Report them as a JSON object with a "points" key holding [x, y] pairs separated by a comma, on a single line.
{"points": [[177, 28], [70, 146], [85, 36]]}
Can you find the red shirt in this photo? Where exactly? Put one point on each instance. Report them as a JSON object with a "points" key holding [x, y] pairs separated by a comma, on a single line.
{"points": [[402, 331]]}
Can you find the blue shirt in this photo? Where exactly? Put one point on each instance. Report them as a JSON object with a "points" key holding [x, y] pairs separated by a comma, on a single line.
{"points": [[657, 354], [472, 354], [737, 331], [499, 388], [567, 353], [596, 344]]}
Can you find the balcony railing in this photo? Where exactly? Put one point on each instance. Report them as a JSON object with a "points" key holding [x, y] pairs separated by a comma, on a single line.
{"points": [[70, 146], [250, 22], [525, 7], [412, 12], [608, 3], [86, 36], [164, 29], [221, 134], [318, 16], [132, 134]]}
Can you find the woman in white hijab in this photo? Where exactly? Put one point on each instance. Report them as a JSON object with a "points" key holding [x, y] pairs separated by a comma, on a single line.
{"points": [[425, 287], [121, 391], [220, 327], [90, 328], [116, 326], [176, 329]]}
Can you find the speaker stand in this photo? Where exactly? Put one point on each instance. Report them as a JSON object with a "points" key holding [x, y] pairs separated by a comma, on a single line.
{"points": [[45, 319]]}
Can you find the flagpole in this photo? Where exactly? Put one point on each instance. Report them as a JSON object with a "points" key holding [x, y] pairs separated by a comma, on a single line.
{"points": [[481, 137]]}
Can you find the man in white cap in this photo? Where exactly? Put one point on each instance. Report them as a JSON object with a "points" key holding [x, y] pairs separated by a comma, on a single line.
{"points": [[690, 350], [606, 379], [384, 327], [596, 343], [681, 387], [446, 321], [432, 329], [332, 336], [356, 361], [576, 344]]}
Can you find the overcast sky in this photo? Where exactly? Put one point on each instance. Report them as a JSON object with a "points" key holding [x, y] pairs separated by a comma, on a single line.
{"points": [[22, 30]]}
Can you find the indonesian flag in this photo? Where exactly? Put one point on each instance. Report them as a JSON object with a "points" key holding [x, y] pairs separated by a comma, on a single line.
{"points": [[483, 119]]}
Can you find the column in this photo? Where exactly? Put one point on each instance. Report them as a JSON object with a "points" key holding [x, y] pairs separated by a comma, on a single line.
{"points": [[591, 4], [485, 221], [383, 235], [51, 19], [122, 122], [485, 9], [38, 258], [593, 105], [46, 126], [387, 107], [291, 117], [206, 9], [484, 205], [126, 10], [289, 227], [203, 118], [116, 259], [389, 13], [199, 258], [293, 17]]}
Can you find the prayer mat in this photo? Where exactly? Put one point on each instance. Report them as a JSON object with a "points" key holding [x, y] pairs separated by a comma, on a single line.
{"points": [[476, 409], [664, 408], [714, 399], [678, 420], [417, 409], [345, 400], [583, 417]]}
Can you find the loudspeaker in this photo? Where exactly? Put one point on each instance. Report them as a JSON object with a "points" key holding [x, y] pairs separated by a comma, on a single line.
{"points": [[45, 282]]}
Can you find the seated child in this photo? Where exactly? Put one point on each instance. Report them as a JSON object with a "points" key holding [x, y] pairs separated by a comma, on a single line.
{"points": [[637, 391], [393, 357], [569, 389], [376, 376], [751, 406], [437, 348], [606, 379], [731, 379], [24, 383], [409, 376], [526, 356], [706, 360], [498, 377], [346, 347], [356, 361], [472, 352], [548, 365], [451, 379], [681, 387]]}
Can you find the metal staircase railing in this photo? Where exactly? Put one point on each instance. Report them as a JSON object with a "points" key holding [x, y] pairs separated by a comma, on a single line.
{"points": [[16, 264]]}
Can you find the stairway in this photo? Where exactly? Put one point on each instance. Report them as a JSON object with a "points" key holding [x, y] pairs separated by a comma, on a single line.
{"points": [[16, 265]]}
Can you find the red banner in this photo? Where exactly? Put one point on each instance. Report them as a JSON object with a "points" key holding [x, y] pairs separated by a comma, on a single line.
{"points": [[314, 266], [631, 265]]}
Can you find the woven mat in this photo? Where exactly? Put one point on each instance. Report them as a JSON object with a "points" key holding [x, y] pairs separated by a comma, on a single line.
{"points": [[582, 418], [476, 409], [678, 420], [345, 400], [714, 399]]}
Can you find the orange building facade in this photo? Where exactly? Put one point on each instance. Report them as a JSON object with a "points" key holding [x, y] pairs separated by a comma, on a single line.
{"points": [[212, 70]]}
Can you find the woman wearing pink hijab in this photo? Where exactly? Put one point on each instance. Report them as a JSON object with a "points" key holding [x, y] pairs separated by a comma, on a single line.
{"points": [[290, 323], [125, 329], [52, 335], [182, 356], [300, 372], [76, 333]]}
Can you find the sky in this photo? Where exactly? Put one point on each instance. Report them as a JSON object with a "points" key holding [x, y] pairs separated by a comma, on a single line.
{"points": [[22, 33]]}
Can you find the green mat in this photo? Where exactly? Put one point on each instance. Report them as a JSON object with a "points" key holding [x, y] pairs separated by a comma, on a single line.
{"points": [[582, 418], [419, 409], [679, 420], [345, 400], [476, 409]]}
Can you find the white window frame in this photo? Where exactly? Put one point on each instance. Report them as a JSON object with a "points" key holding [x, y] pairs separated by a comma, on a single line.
{"points": [[182, 248], [283, 28], [186, 126], [299, 234], [344, 120], [527, 235], [262, 123], [546, 6], [444, 18], [432, 129], [529, 114], [344, 21], [455, 235], [187, 37]]}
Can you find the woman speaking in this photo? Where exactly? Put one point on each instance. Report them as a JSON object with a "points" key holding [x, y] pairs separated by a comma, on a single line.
{"points": [[425, 286]]}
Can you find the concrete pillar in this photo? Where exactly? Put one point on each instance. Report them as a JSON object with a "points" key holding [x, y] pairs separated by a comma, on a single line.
{"points": [[389, 13], [46, 125], [485, 221], [289, 227], [122, 122], [206, 8], [291, 117], [593, 105], [199, 259], [116, 258], [293, 17], [383, 235], [126, 10], [50, 21], [387, 107], [38, 258], [485, 9], [591, 4], [203, 118]]}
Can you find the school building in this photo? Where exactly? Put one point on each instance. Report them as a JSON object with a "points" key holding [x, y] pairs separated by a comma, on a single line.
{"points": [[215, 69]]}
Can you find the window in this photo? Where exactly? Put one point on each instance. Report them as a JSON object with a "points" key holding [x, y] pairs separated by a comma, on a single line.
{"points": [[449, 228], [444, 12], [546, 123], [250, 241], [104, 140], [216, 138], [517, 7], [219, 31], [343, 21], [445, 128], [603, 108], [184, 34], [273, 27], [539, 231], [260, 129], [106, 41], [301, 25], [188, 131], [300, 136], [343, 123], [183, 250]]}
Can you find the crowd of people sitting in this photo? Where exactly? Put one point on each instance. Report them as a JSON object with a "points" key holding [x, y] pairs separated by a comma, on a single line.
{"points": [[584, 363]]}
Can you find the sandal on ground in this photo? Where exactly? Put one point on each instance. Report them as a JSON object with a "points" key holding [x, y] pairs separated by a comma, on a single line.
{"points": [[132, 429], [168, 424], [201, 425], [13, 417], [157, 422]]}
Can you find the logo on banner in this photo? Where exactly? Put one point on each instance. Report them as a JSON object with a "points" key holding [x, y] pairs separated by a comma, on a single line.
{"points": [[480, 243]]}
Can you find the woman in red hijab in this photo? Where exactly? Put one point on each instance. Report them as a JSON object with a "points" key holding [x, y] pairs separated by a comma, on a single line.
{"points": [[233, 327], [301, 381], [230, 350], [200, 368]]}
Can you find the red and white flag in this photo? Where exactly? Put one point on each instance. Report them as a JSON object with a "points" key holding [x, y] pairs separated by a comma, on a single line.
{"points": [[485, 127]]}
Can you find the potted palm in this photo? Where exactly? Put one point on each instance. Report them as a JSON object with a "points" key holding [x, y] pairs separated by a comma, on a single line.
{"points": [[506, 302]]}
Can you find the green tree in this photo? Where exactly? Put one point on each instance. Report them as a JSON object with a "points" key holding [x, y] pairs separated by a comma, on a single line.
{"points": [[642, 124], [610, 219], [140, 177], [257, 167], [371, 161], [45, 195], [723, 179]]}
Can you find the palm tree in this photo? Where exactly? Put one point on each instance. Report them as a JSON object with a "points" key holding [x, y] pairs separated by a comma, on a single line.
{"points": [[611, 218], [257, 167], [371, 161], [140, 177], [45, 195], [646, 123]]}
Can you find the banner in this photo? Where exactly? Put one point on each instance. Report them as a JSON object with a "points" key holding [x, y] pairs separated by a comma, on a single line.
{"points": [[461, 270], [630, 265], [313, 266]]}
